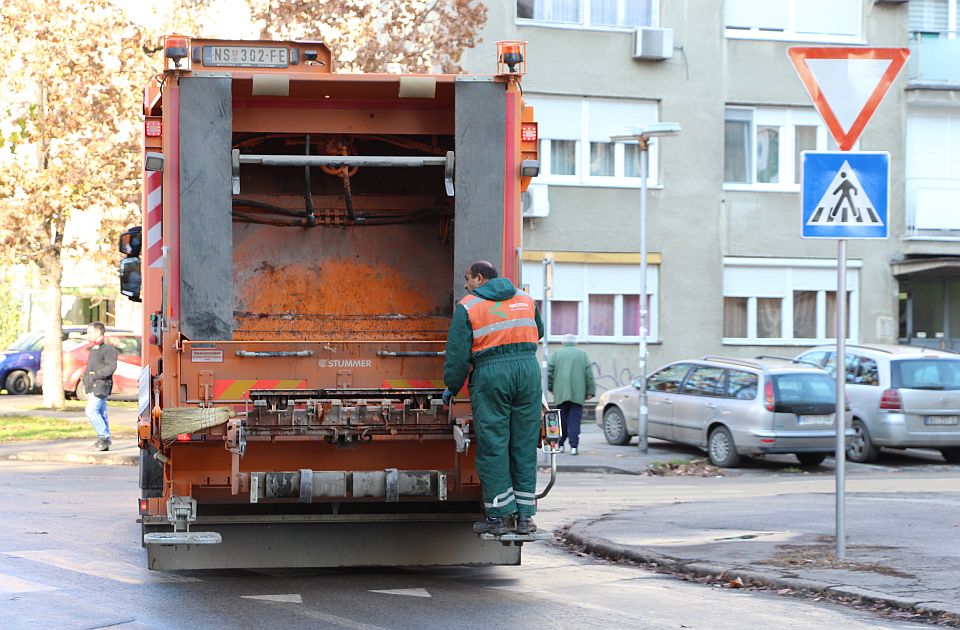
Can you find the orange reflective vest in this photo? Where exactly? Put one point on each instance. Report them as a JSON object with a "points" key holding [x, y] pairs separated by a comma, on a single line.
{"points": [[501, 323]]}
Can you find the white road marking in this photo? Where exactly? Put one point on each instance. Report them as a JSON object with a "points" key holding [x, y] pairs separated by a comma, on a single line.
{"points": [[412, 592], [111, 570], [10, 584], [516, 588], [291, 598]]}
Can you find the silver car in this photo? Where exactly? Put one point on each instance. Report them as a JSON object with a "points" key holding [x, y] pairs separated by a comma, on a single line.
{"points": [[731, 407], [901, 396]]}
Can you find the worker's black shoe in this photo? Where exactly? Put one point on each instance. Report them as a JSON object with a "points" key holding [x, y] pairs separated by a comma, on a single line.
{"points": [[525, 525], [102, 444], [490, 525]]}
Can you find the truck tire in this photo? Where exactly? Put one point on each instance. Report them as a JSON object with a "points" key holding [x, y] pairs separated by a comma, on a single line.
{"points": [[18, 383], [151, 474]]}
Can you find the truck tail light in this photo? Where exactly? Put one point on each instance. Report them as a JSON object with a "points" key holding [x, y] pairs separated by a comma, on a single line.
{"points": [[153, 128], [890, 400], [528, 132], [142, 506], [768, 400]]}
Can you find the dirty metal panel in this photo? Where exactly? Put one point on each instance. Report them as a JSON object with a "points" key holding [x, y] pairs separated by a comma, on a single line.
{"points": [[387, 282], [206, 234], [480, 138]]}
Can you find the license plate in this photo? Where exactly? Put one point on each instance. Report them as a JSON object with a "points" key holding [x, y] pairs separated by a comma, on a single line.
{"points": [[941, 421], [246, 56], [826, 419]]}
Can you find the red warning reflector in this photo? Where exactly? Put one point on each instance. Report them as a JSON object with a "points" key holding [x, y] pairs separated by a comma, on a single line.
{"points": [[142, 505], [153, 128], [184, 437], [528, 132]]}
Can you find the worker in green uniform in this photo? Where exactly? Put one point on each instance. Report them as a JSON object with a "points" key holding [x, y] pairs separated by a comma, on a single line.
{"points": [[494, 330]]}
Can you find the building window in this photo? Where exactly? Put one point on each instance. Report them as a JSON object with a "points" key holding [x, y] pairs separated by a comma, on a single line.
{"points": [[785, 301], [598, 302], [575, 145], [588, 13], [933, 173], [794, 20], [763, 146]]}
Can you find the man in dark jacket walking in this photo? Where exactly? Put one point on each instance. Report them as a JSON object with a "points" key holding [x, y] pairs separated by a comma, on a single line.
{"points": [[98, 383], [495, 330], [570, 378]]}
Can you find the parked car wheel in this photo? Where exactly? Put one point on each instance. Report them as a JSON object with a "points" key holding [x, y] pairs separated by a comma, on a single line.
{"points": [[81, 391], [721, 448], [615, 427], [18, 383], [811, 459], [951, 454], [861, 448]]}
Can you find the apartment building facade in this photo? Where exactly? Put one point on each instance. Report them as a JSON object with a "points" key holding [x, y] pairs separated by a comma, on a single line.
{"points": [[728, 270]]}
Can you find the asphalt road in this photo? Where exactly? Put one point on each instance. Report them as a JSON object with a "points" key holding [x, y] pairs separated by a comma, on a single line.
{"points": [[70, 558]]}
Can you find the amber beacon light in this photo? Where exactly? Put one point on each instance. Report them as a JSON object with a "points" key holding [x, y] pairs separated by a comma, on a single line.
{"points": [[511, 57], [175, 49]]}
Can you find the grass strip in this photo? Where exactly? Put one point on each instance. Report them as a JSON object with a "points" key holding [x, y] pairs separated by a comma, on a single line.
{"points": [[25, 428]]}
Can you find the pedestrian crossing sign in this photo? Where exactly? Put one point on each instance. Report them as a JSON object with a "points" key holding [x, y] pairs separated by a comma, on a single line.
{"points": [[844, 194]]}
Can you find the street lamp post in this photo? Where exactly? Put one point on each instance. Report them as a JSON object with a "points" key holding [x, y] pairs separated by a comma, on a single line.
{"points": [[642, 136]]}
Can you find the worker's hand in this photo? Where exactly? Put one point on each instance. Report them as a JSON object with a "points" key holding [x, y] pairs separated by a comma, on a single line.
{"points": [[447, 395]]}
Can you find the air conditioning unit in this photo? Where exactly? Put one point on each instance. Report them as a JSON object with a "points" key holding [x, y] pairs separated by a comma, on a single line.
{"points": [[652, 43], [534, 202]]}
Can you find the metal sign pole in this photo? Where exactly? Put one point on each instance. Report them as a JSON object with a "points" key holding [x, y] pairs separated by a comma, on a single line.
{"points": [[840, 418], [547, 290], [644, 315]]}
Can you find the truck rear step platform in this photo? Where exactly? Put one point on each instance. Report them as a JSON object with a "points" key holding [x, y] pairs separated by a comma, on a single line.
{"points": [[248, 545]]}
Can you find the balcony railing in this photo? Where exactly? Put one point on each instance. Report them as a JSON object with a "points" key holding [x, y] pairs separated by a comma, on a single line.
{"points": [[933, 58]]}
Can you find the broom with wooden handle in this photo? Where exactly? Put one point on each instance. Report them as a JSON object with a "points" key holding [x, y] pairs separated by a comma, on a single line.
{"points": [[177, 420]]}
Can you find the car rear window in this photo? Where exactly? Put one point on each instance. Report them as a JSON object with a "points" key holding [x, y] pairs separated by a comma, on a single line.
{"points": [[808, 388], [925, 373]]}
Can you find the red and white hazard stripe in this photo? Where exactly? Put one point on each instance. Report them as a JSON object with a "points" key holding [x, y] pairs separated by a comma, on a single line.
{"points": [[154, 219]]}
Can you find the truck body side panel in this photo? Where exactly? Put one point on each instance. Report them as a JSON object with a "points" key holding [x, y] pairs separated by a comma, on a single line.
{"points": [[479, 182], [206, 224]]}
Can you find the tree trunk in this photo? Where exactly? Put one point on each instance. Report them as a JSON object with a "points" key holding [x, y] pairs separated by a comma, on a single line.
{"points": [[51, 273]]}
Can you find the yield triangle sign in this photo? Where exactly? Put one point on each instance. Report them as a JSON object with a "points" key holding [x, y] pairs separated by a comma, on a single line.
{"points": [[847, 84], [845, 203]]}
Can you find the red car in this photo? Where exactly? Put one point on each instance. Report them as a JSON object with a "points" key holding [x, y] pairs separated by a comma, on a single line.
{"points": [[76, 349]]}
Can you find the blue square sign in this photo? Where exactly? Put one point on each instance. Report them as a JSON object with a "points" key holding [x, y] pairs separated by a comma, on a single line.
{"points": [[845, 194]]}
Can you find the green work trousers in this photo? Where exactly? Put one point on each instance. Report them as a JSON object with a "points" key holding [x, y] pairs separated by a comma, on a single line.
{"points": [[506, 396]]}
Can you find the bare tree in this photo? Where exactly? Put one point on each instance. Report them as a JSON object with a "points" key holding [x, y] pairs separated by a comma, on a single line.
{"points": [[69, 143], [379, 35]]}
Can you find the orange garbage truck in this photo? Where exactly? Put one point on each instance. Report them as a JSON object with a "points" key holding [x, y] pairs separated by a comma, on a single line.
{"points": [[302, 248]]}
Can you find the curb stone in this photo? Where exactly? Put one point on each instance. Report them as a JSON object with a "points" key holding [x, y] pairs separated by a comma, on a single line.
{"points": [[942, 613]]}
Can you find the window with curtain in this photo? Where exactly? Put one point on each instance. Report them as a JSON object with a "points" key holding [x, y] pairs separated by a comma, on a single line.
{"points": [[597, 301], [575, 143], [564, 317], [601, 159], [763, 145], [588, 13], [601, 315], [785, 301]]}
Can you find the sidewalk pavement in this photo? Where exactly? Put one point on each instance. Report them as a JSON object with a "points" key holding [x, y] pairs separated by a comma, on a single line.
{"points": [[123, 451]]}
